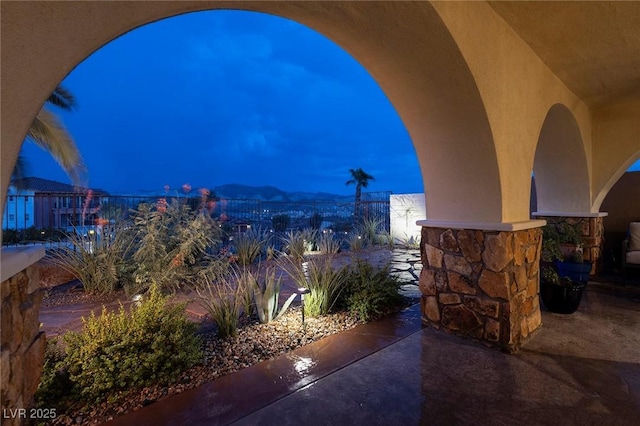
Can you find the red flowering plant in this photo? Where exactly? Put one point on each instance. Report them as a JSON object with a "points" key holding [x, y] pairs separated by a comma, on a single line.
{"points": [[173, 241]]}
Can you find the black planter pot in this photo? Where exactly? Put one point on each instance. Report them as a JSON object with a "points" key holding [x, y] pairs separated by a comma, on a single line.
{"points": [[561, 299], [578, 272]]}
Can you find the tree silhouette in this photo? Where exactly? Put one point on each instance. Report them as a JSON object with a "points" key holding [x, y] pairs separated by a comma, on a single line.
{"points": [[361, 179]]}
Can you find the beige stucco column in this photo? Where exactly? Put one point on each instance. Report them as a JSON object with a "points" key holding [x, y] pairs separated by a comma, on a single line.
{"points": [[482, 283]]}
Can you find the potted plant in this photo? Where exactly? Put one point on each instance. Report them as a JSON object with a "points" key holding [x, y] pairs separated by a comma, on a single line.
{"points": [[574, 266], [560, 293]]}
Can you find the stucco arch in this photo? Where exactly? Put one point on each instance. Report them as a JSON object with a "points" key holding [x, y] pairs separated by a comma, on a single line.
{"points": [[617, 138], [560, 166], [405, 47], [599, 199]]}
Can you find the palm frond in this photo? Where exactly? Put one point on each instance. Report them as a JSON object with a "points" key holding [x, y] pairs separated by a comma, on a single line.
{"points": [[49, 134], [62, 98], [20, 170]]}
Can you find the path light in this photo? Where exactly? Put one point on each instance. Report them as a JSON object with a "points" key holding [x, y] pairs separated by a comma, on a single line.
{"points": [[303, 291]]}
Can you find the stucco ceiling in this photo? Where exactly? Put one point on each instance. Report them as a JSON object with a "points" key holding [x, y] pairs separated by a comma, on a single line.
{"points": [[594, 47]]}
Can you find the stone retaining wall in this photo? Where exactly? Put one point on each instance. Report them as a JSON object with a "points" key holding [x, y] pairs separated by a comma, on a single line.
{"points": [[23, 344], [482, 284]]}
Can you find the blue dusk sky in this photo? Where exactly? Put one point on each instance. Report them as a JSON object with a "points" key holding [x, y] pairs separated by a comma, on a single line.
{"points": [[219, 97]]}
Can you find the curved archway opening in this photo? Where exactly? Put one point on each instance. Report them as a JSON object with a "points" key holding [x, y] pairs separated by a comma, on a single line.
{"points": [[560, 167]]}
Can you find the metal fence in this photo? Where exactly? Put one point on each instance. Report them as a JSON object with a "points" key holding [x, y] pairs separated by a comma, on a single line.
{"points": [[47, 219]]}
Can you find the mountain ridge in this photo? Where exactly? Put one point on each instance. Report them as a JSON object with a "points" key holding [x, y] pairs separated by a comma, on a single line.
{"points": [[271, 193], [249, 192]]}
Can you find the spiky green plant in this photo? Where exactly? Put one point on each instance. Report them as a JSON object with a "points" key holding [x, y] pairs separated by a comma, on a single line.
{"points": [[355, 241], [248, 280], [410, 242], [328, 244], [294, 244], [369, 229], [93, 259], [319, 276], [267, 294], [223, 299], [249, 245]]}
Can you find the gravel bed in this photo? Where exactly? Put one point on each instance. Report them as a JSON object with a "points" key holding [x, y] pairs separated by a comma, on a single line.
{"points": [[72, 293]]}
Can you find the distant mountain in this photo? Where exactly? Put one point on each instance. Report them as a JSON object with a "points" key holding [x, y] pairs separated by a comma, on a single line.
{"points": [[234, 191], [271, 193]]}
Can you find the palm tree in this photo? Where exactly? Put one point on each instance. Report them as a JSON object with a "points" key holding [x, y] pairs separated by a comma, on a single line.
{"points": [[48, 133], [361, 179]]}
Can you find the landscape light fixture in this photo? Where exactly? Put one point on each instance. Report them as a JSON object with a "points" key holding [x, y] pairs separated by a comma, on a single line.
{"points": [[303, 291]]}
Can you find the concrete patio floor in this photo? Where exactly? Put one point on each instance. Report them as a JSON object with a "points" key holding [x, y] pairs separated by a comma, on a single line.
{"points": [[579, 369]]}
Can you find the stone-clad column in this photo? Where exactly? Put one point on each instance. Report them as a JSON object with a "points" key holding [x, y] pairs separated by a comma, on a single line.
{"points": [[22, 342], [591, 227], [482, 284]]}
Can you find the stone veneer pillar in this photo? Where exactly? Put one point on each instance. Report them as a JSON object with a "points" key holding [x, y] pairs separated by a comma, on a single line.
{"points": [[592, 229], [22, 342], [482, 284]]}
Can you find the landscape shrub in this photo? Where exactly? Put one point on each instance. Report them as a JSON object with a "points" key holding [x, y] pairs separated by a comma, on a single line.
{"points": [[369, 229], [153, 343], [411, 242], [370, 292], [328, 244], [355, 241], [249, 245], [247, 278], [94, 260], [54, 381], [294, 244], [31, 234], [170, 242], [320, 276], [10, 236], [223, 298]]}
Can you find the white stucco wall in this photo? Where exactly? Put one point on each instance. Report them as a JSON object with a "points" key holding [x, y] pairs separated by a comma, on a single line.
{"points": [[405, 210]]}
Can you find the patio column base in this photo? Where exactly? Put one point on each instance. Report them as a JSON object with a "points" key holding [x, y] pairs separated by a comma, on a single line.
{"points": [[592, 228], [23, 344], [482, 284]]}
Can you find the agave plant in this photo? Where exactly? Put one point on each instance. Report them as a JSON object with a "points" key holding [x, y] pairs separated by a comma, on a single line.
{"points": [[266, 296]]}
